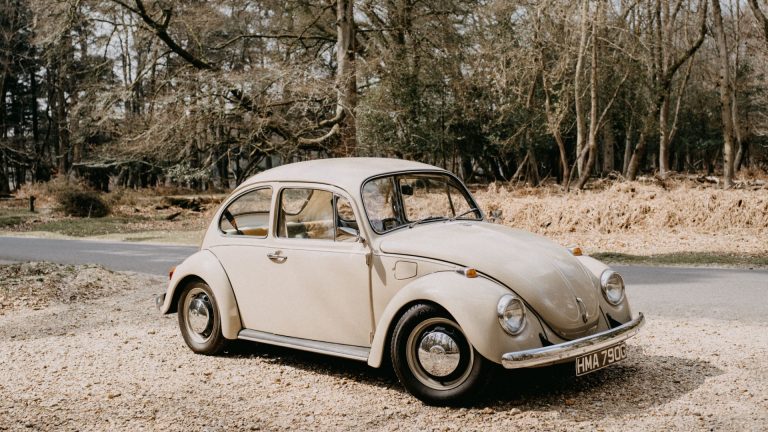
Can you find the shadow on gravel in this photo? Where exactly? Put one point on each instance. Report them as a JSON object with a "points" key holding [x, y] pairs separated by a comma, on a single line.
{"points": [[635, 385], [317, 363]]}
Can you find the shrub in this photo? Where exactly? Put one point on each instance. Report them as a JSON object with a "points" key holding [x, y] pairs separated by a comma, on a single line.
{"points": [[81, 203]]}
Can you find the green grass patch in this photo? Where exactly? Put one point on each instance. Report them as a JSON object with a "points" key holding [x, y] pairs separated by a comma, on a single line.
{"points": [[12, 217], [687, 258], [86, 227]]}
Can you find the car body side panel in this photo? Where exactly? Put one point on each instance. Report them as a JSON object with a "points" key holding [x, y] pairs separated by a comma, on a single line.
{"points": [[206, 266], [472, 303]]}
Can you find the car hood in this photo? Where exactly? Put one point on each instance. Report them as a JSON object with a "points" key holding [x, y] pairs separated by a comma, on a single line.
{"points": [[548, 278]]}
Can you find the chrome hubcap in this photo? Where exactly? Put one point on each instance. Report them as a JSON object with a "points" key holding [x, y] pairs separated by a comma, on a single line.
{"points": [[438, 354], [198, 314], [199, 317]]}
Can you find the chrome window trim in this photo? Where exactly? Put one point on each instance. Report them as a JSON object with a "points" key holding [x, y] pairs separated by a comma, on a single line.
{"points": [[398, 196]]}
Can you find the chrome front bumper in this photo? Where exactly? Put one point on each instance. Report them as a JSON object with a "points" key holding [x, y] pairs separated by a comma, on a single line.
{"points": [[567, 350]]}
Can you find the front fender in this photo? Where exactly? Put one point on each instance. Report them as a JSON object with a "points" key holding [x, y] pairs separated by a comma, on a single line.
{"points": [[204, 265], [470, 301], [622, 312]]}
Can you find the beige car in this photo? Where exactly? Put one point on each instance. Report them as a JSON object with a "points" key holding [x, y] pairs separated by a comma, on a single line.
{"points": [[382, 260]]}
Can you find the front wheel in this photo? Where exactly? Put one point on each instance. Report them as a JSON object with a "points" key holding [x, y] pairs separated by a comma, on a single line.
{"points": [[199, 319], [433, 358]]}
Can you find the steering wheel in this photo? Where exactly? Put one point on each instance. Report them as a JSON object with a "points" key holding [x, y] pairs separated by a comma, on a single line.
{"points": [[231, 219]]}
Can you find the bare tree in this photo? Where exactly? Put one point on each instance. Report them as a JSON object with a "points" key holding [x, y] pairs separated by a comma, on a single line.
{"points": [[760, 16], [726, 94]]}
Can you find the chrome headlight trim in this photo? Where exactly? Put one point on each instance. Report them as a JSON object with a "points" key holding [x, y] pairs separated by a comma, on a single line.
{"points": [[612, 286], [508, 307]]}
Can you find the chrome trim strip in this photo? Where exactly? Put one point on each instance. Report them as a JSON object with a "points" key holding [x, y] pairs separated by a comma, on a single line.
{"points": [[556, 353], [334, 349]]}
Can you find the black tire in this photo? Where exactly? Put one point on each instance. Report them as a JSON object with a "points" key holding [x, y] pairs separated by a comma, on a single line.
{"points": [[199, 319], [437, 376]]}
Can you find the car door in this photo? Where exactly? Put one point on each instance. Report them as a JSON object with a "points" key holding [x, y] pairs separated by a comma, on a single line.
{"points": [[310, 278]]}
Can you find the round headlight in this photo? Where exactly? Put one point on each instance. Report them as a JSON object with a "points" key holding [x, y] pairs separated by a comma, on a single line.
{"points": [[511, 312], [612, 285]]}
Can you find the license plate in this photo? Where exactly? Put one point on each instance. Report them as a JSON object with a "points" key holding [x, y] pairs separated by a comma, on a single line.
{"points": [[599, 359]]}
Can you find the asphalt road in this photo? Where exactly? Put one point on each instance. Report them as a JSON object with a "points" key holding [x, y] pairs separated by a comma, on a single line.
{"points": [[729, 294], [138, 257]]}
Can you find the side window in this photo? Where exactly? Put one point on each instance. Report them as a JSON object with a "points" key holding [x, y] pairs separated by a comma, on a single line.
{"points": [[346, 224], [248, 214], [306, 213]]}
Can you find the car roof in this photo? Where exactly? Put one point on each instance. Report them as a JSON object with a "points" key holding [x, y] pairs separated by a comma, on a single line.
{"points": [[346, 173]]}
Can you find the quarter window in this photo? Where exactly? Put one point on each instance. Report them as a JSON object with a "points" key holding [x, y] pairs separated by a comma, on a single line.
{"points": [[346, 224], [248, 214], [381, 204]]}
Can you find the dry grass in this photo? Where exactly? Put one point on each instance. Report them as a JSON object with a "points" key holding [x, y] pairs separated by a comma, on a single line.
{"points": [[639, 218], [679, 218]]}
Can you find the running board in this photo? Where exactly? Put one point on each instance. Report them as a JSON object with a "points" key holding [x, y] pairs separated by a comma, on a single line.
{"points": [[334, 349]]}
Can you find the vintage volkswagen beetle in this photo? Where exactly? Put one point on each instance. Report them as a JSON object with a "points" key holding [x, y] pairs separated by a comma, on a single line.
{"points": [[374, 259]]}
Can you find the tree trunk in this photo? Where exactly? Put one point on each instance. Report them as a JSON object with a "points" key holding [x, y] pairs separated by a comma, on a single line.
{"points": [[726, 93], [664, 136], [637, 155], [760, 18], [581, 124], [5, 187], [346, 76], [594, 123], [627, 148], [554, 120], [609, 141]]}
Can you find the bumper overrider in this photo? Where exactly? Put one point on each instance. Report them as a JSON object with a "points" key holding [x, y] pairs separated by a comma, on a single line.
{"points": [[159, 301], [569, 350]]}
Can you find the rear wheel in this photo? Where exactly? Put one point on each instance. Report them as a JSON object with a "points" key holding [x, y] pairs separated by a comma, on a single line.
{"points": [[199, 319], [433, 358]]}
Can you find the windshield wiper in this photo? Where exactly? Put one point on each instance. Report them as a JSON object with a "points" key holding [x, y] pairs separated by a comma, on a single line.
{"points": [[472, 210], [426, 219]]}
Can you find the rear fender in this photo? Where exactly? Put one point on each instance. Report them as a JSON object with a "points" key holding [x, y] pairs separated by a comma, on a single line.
{"points": [[205, 266]]}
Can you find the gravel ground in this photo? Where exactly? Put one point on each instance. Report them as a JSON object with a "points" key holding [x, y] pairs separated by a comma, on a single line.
{"points": [[110, 362]]}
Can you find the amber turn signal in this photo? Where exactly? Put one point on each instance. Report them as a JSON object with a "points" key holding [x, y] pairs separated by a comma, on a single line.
{"points": [[575, 250], [468, 272], [170, 272]]}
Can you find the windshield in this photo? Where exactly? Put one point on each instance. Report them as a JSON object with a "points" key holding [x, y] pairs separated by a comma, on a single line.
{"points": [[406, 199]]}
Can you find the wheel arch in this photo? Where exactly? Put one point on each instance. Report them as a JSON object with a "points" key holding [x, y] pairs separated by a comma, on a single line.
{"points": [[471, 302], [387, 343], [205, 267], [187, 280]]}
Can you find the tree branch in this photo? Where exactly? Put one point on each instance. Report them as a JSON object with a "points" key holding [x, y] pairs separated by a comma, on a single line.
{"points": [[667, 78], [161, 30], [760, 17], [275, 36]]}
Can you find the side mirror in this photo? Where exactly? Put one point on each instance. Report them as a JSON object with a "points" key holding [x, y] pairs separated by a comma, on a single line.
{"points": [[352, 233], [406, 190], [496, 216]]}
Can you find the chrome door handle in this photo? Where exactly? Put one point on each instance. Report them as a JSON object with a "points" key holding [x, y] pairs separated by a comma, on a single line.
{"points": [[277, 257]]}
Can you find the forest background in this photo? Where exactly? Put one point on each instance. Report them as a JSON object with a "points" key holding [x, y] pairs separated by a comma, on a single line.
{"points": [[204, 94]]}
